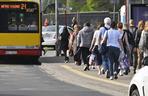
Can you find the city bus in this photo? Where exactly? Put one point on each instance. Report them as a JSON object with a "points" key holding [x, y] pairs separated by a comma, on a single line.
{"points": [[20, 31]]}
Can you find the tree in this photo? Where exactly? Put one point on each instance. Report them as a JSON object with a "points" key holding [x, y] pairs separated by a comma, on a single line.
{"points": [[92, 5]]}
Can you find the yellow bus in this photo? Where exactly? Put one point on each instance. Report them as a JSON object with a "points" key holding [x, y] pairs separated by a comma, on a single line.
{"points": [[20, 31]]}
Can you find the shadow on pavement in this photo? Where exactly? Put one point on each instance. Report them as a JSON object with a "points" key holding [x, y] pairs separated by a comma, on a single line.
{"points": [[54, 59]]}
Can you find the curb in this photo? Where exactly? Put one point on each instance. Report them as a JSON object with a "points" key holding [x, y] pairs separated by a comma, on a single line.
{"points": [[93, 77]]}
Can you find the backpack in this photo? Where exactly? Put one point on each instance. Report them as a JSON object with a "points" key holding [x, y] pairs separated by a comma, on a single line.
{"points": [[103, 48], [130, 37]]}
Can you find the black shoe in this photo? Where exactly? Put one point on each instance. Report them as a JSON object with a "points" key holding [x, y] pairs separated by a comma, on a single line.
{"points": [[86, 68], [107, 74], [115, 76], [77, 63]]}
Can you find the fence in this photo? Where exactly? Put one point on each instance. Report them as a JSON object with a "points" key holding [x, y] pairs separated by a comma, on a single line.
{"points": [[93, 17]]}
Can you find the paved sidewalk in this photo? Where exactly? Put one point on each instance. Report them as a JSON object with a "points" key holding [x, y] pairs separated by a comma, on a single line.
{"points": [[92, 74]]}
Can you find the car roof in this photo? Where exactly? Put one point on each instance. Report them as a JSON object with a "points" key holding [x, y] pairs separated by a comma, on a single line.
{"points": [[52, 28]]}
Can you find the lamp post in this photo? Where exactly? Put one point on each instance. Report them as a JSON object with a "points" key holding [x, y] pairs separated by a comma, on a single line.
{"points": [[65, 12], [127, 12], [57, 27]]}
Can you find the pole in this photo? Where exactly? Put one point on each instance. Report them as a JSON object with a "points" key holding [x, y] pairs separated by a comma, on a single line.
{"points": [[65, 12], [114, 10], [127, 12], [57, 28], [142, 1]]}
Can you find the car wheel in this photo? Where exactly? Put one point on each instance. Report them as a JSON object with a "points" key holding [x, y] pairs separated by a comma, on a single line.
{"points": [[135, 92]]}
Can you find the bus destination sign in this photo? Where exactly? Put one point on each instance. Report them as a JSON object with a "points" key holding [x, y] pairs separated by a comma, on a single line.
{"points": [[13, 6]]}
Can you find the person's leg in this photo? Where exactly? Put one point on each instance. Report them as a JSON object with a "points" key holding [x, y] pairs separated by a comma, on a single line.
{"points": [[85, 53], [98, 60], [111, 58], [140, 56], [65, 55], [116, 62], [135, 57]]}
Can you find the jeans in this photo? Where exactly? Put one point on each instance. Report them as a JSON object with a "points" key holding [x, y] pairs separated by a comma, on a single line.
{"points": [[105, 62], [113, 53]]}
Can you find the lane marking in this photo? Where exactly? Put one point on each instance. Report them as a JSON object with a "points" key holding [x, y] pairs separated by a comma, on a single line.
{"points": [[94, 78]]}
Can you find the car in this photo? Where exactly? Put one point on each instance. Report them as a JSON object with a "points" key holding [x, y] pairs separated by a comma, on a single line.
{"points": [[49, 35], [139, 83]]}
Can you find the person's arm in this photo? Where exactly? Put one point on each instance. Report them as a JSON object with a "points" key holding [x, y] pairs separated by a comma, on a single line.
{"points": [[93, 41], [79, 38], [121, 43], [126, 41], [141, 43]]}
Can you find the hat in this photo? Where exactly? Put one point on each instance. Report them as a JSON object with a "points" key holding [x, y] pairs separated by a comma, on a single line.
{"points": [[107, 20], [131, 22]]}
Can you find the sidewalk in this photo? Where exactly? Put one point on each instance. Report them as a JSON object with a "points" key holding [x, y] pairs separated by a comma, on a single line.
{"points": [[50, 57], [92, 74]]}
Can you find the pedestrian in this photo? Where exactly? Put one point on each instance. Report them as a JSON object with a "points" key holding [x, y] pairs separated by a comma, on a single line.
{"points": [[64, 39], [143, 44], [94, 49], [74, 22], [124, 66], [45, 27], [73, 45], [138, 55], [131, 38], [112, 37], [105, 59], [85, 36]]}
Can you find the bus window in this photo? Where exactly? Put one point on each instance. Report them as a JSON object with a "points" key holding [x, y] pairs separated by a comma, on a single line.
{"points": [[19, 17]]}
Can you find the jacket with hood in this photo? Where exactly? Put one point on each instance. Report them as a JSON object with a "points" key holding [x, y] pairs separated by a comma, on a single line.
{"points": [[143, 42], [85, 37]]}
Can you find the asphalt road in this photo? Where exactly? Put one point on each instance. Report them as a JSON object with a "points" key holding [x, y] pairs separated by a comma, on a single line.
{"points": [[30, 80], [50, 79]]}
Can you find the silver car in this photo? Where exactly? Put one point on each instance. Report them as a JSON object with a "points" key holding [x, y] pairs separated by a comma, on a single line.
{"points": [[49, 35]]}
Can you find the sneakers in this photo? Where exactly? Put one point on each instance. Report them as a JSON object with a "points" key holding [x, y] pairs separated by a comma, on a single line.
{"points": [[115, 75], [102, 71], [111, 78], [121, 72], [66, 59]]}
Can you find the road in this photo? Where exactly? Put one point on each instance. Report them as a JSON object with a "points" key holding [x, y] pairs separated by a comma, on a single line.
{"points": [[51, 79], [29, 80]]}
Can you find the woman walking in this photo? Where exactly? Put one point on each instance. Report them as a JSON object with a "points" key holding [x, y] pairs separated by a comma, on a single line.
{"points": [[112, 37]]}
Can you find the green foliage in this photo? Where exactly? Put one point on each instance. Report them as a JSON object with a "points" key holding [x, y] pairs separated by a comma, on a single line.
{"points": [[86, 5], [76, 6], [93, 5]]}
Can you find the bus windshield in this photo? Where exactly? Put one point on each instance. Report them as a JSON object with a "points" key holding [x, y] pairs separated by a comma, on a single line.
{"points": [[19, 17]]}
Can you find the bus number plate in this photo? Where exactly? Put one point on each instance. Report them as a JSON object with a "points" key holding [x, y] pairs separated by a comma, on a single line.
{"points": [[11, 52]]}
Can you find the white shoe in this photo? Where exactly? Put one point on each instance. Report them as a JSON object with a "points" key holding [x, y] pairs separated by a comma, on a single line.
{"points": [[111, 78], [121, 73]]}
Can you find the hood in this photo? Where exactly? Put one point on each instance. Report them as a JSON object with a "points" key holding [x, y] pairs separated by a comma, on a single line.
{"points": [[87, 29]]}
